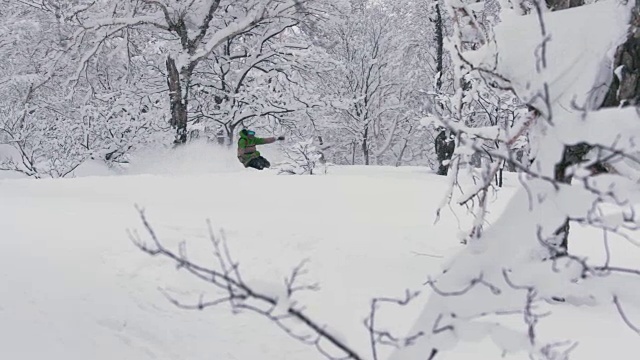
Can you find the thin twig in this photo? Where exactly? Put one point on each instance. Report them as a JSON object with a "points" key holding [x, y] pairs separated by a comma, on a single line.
{"points": [[624, 316], [238, 291]]}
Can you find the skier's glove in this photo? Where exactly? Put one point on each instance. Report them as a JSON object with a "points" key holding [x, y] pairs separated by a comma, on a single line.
{"points": [[280, 138]]}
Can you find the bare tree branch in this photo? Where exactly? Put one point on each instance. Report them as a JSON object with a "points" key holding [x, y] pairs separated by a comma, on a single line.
{"points": [[239, 292]]}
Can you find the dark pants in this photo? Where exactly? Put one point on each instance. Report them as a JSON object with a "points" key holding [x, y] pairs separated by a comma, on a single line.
{"points": [[259, 163]]}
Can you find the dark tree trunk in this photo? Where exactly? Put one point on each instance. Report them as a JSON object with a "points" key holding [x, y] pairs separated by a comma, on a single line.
{"points": [[353, 153], [626, 91], [440, 140], [365, 146], [321, 149], [439, 48], [178, 103], [444, 147], [179, 80]]}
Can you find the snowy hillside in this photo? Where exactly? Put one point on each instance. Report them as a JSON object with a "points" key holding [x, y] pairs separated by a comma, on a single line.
{"points": [[74, 286], [130, 230]]}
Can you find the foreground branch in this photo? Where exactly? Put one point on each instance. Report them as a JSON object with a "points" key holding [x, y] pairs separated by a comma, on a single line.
{"points": [[228, 279]]}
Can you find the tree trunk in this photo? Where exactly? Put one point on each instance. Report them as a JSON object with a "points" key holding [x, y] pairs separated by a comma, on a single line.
{"points": [[178, 103], [439, 144], [404, 148], [444, 151], [231, 129], [439, 48], [322, 159], [353, 153], [626, 90], [365, 146]]}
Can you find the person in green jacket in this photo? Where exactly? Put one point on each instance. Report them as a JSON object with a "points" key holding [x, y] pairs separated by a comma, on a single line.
{"points": [[247, 153]]}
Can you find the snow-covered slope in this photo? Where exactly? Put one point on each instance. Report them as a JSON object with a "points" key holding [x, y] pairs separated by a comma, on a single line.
{"points": [[73, 286]]}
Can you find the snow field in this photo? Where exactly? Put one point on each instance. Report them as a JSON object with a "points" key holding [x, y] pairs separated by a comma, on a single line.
{"points": [[74, 286]]}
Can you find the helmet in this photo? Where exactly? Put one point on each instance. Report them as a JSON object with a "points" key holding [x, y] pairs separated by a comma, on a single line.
{"points": [[247, 132]]}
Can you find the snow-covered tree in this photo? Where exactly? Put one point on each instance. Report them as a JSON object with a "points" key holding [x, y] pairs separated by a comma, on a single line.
{"points": [[35, 119], [368, 84], [252, 80], [54, 127], [560, 64], [90, 79], [183, 36]]}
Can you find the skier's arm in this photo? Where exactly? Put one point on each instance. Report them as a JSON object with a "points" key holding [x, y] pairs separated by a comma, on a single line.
{"points": [[263, 141]]}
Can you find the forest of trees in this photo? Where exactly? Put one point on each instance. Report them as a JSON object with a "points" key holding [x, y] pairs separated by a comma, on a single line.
{"points": [[86, 79]]}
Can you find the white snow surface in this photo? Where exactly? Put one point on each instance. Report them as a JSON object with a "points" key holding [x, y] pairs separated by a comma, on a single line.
{"points": [[73, 286]]}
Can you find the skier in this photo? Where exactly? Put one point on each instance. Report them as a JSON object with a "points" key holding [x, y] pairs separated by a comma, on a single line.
{"points": [[247, 153]]}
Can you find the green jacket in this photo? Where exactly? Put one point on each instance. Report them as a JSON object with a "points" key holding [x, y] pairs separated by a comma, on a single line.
{"points": [[247, 147]]}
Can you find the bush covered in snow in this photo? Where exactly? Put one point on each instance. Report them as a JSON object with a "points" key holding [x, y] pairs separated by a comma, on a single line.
{"points": [[303, 158]]}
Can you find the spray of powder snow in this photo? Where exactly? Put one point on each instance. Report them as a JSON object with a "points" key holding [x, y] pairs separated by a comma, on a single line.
{"points": [[197, 157]]}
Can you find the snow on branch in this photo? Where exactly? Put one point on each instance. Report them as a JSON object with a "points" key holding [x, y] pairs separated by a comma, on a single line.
{"points": [[258, 13], [227, 32], [125, 22]]}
